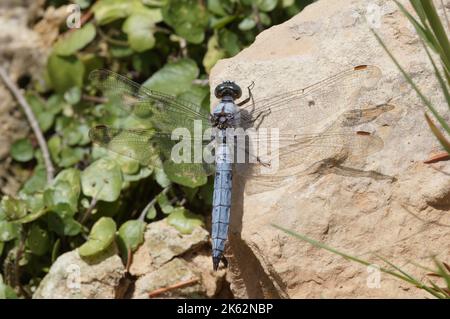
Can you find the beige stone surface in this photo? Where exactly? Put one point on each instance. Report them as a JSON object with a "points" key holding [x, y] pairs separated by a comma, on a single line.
{"points": [[168, 257], [73, 277], [403, 218]]}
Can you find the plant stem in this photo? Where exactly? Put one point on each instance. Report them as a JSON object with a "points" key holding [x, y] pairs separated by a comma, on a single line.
{"points": [[151, 203], [33, 123], [88, 210]]}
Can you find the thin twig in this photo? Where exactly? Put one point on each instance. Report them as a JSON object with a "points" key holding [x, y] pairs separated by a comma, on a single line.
{"points": [[95, 99], [160, 291], [88, 210], [151, 203], [33, 123]]}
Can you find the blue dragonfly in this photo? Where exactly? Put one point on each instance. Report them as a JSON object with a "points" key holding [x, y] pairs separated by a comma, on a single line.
{"points": [[308, 125]]}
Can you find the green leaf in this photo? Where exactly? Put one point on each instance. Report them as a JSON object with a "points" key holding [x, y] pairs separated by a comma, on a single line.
{"points": [[40, 110], [164, 203], [151, 213], [189, 18], [140, 28], [6, 292], [247, 24], [8, 230], [22, 150], [73, 95], [215, 7], [132, 233], [63, 224], [186, 174], [101, 237], [102, 180], [65, 72], [63, 195], [13, 208], [37, 182], [185, 221], [230, 42], [174, 78], [143, 172], [213, 54], [38, 240], [75, 41], [71, 156], [107, 11], [266, 5], [161, 177]]}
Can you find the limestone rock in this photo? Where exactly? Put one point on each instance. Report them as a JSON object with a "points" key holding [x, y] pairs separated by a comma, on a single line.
{"points": [[162, 242], [168, 257], [73, 277], [403, 217]]}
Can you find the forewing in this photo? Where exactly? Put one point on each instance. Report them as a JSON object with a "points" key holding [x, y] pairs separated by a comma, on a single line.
{"points": [[162, 111], [326, 99]]}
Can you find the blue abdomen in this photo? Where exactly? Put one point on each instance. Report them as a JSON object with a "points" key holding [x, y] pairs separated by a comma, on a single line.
{"points": [[221, 203]]}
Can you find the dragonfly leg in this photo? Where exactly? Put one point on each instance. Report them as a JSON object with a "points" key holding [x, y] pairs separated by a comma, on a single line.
{"points": [[250, 96]]}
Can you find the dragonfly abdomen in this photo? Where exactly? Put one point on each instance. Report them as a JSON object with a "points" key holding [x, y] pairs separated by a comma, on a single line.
{"points": [[221, 203]]}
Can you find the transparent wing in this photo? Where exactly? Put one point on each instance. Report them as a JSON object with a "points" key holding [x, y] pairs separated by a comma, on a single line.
{"points": [[162, 111], [270, 160], [326, 99], [148, 145]]}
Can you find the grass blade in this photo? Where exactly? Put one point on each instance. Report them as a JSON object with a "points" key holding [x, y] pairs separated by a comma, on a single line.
{"points": [[441, 138], [411, 82]]}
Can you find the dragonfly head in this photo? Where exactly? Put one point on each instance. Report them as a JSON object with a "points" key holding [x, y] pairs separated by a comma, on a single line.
{"points": [[228, 89]]}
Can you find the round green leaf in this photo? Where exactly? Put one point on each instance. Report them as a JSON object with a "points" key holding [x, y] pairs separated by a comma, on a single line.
{"points": [[151, 213], [73, 95], [214, 53], [140, 28], [75, 41], [132, 233], [189, 18], [247, 24], [101, 237], [62, 196], [6, 292], [230, 42], [13, 208], [184, 221], [266, 5], [38, 241], [22, 150], [164, 203], [186, 174], [70, 156], [174, 78], [8, 230], [102, 180], [65, 72], [62, 224]]}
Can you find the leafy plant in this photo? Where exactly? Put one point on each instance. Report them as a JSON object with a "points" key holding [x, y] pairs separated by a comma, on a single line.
{"points": [[431, 31], [167, 45]]}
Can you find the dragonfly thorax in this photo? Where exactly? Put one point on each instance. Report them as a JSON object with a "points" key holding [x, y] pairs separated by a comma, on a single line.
{"points": [[225, 114]]}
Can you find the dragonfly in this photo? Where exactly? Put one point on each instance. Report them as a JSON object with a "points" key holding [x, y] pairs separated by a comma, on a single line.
{"points": [[301, 127]]}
